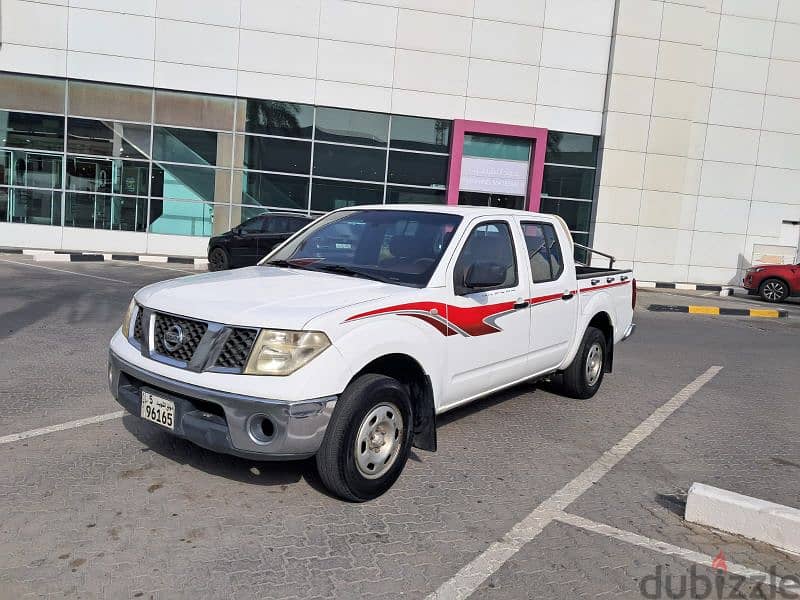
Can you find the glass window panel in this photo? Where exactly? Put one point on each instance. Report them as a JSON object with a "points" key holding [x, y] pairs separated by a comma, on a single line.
{"points": [[110, 101], [192, 146], [417, 169], [27, 130], [399, 195], [191, 183], [87, 210], [415, 133], [273, 154], [275, 190], [108, 176], [26, 92], [193, 110], [240, 214], [567, 182], [108, 138], [287, 119], [19, 167], [187, 218], [330, 195], [492, 146], [36, 207], [577, 214], [347, 162], [4, 193], [352, 126], [571, 149]]}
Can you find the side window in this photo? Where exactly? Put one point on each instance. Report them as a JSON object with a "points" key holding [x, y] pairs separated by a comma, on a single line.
{"points": [[296, 224], [254, 225], [544, 251], [487, 243], [277, 225]]}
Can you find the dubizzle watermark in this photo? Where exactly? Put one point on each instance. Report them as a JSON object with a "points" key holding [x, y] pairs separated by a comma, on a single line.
{"points": [[721, 585]]}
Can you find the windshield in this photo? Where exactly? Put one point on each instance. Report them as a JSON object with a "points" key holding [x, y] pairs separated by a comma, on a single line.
{"points": [[394, 246]]}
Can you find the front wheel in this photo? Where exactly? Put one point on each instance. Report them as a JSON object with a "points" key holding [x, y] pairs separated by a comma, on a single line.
{"points": [[582, 378], [368, 439], [773, 290], [218, 260]]}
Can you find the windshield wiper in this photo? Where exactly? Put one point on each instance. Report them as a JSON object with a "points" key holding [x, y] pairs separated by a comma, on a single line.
{"points": [[286, 264], [345, 270]]}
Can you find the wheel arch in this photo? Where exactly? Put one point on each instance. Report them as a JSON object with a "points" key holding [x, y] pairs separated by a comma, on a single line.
{"points": [[410, 373], [779, 278]]}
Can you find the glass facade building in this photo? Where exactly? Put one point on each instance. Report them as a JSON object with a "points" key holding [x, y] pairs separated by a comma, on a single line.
{"points": [[118, 158]]}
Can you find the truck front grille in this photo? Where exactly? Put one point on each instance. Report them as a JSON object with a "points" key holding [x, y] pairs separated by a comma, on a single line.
{"points": [[177, 337], [236, 349], [138, 330]]}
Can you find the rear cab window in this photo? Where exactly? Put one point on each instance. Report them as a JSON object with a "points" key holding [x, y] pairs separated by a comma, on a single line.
{"points": [[544, 251]]}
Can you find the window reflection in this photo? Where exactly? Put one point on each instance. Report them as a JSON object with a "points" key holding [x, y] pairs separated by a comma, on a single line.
{"points": [[191, 183], [275, 190], [25, 130], [35, 207], [286, 119], [105, 212], [330, 195], [19, 167], [414, 133], [107, 176], [273, 154], [186, 218], [191, 146], [346, 162], [352, 126], [108, 138]]}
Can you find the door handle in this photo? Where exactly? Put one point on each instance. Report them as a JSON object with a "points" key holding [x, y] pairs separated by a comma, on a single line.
{"points": [[520, 304], [567, 296]]}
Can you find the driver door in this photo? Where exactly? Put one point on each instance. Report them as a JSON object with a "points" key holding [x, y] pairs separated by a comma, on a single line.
{"points": [[488, 346], [244, 242]]}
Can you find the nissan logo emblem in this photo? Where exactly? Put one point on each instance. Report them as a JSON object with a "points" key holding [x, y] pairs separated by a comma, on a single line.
{"points": [[173, 338]]}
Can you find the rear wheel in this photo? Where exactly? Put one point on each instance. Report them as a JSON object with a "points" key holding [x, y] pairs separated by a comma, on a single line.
{"points": [[773, 290], [367, 441], [219, 260], [582, 378]]}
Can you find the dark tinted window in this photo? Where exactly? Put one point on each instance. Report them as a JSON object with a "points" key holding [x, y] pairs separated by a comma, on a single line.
{"points": [[108, 138], [275, 190], [287, 119], [487, 243], [346, 162], [24, 130], [274, 154], [254, 225], [109, 176], [417, 169], [297, 223], [330, 195], [400, 195], [571, 149], [352, 126], [568, 182], [278, 224], [544, 251], [577, 214], [185, 145], [414, 133], [19, 167]]}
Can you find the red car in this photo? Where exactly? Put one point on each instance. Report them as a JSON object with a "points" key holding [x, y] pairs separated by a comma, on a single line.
{"points": [[774, 283]]}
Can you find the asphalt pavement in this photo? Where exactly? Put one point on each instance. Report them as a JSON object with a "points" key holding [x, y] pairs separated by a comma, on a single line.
{"points": [[119, 509]]}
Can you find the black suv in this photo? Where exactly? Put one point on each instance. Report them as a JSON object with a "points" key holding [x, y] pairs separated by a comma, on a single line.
{"points": [[252, 240]]}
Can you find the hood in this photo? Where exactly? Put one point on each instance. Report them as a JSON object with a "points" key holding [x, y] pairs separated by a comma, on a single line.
{"points": [[262, 296]]}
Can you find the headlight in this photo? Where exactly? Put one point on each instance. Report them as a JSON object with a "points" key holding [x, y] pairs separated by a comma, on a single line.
{"points": [[126, 320], [278, 352]]}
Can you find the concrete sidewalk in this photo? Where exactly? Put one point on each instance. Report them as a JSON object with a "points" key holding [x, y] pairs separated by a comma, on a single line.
{"points": [[707, 301]]}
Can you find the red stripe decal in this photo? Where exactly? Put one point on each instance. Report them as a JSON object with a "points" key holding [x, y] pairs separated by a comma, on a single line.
{"points": [[602, 287]]}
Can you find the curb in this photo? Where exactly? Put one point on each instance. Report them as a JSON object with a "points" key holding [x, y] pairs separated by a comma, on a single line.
{"points": [[768, 313], [753, 518], [64, 256], [699, 287]]}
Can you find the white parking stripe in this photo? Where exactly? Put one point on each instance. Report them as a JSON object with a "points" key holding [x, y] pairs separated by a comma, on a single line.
{"points": [[27, 264], [15, 437], [470, 577], [671, 550]]}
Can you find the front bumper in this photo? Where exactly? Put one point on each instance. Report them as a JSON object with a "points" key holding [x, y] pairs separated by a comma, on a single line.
{"points": [[226, 422]]}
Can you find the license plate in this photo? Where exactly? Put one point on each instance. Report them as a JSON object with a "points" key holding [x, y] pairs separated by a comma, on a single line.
{"points": [[158, 410]]}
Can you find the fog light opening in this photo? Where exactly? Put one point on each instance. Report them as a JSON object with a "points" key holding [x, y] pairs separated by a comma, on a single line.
{"points": [[262, 429]]}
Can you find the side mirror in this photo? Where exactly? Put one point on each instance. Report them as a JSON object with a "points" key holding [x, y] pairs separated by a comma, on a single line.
{"points": [[484, 275]]}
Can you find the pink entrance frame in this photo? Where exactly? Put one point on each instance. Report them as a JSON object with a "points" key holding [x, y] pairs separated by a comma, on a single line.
{"points": [[537, 135]]}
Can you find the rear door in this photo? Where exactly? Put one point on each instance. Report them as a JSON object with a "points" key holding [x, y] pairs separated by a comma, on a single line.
{"points": [[487, 341], [554, 297]]}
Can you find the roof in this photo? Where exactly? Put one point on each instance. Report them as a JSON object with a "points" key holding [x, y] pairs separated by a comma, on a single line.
{"points": [[455, 209]]}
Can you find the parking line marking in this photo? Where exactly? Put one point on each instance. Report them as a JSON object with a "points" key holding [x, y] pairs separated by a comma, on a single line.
{"points": [[669, 549], [15, 437], [472, 575], [25, 264]]}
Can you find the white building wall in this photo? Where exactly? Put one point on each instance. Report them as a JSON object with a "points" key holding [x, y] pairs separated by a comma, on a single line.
{"points": [[702, 143], [523, 62]]}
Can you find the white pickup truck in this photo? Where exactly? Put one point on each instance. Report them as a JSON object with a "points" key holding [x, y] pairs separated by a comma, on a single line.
{"points": [[348, 339]]}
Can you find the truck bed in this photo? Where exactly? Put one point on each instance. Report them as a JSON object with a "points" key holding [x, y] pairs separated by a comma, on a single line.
{"points": [[584, 272]]}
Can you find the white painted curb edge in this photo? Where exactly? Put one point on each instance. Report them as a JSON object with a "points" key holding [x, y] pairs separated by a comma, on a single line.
{"points": [[51, 257], [757, 519]]}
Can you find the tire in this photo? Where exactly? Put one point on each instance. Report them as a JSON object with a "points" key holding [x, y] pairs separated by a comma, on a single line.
{"points": [[219, 259], [773, 290], [582, 378], [368, 412]]}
